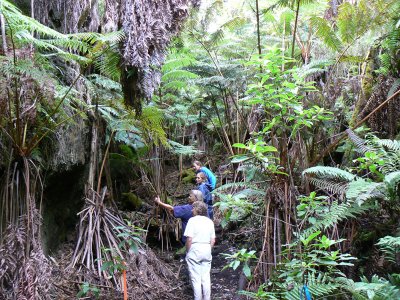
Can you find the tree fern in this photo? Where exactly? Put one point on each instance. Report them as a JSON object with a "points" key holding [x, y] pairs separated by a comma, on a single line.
{"points": [[325, 32], [336, 213], [377, 288], [390, 246], [329, 173], [361, 144], [392, 181], [178, 74], [150, 124], [317, 290], [338, 188], [180, 149]]}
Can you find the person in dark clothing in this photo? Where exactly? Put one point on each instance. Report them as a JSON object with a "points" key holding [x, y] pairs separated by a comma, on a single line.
{"points": [[183, 212], [212, 180], [205, 188]]}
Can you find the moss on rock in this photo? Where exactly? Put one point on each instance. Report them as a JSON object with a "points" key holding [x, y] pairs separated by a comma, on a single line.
{"points": [[188, 176], [131, 201]]}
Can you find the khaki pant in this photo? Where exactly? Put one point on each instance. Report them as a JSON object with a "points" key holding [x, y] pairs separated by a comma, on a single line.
{"points": [[199, 264]]}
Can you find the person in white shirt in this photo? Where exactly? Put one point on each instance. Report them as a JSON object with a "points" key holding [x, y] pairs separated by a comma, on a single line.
{"points": [[200, 238]]}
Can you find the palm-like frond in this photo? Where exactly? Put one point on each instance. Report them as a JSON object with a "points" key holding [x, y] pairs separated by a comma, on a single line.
{"points": [[325, 32], [361, 190], [338, 188], [377, 288], [180, 149], [316, 289], [391, 145], [390, 246], [315, 67], [361, 144], [329, 173], [337, 212], [178, 74], [392, 181]]}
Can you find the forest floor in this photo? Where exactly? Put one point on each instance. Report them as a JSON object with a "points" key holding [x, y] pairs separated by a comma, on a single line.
{"points": [[224, 283]]}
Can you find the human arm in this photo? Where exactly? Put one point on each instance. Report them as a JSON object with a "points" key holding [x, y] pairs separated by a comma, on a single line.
{"points": [[165, 205], [188, 243], [212, 242]]}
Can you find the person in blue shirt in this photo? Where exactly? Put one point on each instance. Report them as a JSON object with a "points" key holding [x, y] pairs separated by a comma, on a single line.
{"points": [[212, 180], [205, 188], [183, 212]]}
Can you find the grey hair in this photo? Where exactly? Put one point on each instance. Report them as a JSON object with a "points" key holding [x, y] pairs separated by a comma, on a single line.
{"points": [[197, 194], [200, 209]]}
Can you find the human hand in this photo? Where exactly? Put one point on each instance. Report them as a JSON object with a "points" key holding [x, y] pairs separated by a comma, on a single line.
{"points": [[157, 199]]}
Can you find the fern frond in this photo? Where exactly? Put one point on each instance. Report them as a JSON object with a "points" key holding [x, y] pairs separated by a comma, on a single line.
{"points": [[337, 212], [234, 23], [390, 246], [379, 288], [210, 13], [338, 188], [314, 67], [396, 84], [392, 181], [346, 22], [180, 149], [360, 143], [178, 63], [178, 74], [325, 32], [239, 185], [391, 145], [360, 190], [317, 290], [150, 123], [329, 173]]}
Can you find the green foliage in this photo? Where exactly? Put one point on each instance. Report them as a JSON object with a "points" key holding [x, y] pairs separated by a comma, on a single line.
{"points": [[241, 257], [258, 153], [130, 237], [234, 207], [151, 126], [390, 246], [377, 288], [131, 201], [130, 240], [281, 93], [180, 149], [116, 265], [26, 31], [324, 30], [87, 290]]}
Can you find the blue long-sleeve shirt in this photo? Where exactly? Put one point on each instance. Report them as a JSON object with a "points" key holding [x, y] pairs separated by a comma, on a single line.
{"points": [[205, 189], [184, 212]]}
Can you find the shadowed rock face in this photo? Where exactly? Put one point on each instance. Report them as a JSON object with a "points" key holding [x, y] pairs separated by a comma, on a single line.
{"points": [[62, 201]]}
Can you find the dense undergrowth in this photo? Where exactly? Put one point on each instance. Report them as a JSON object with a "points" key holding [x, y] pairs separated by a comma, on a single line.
{"points": [[294, 104]]}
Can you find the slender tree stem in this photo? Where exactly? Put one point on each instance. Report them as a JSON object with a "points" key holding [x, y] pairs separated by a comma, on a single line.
{"points": [[258, 33], [295, 26]]}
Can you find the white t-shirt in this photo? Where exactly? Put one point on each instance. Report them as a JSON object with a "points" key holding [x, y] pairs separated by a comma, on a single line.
{"points": [[200, 229]]}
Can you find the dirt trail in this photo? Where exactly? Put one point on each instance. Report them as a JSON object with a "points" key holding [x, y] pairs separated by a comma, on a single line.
{"points": [[224, 283]]}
